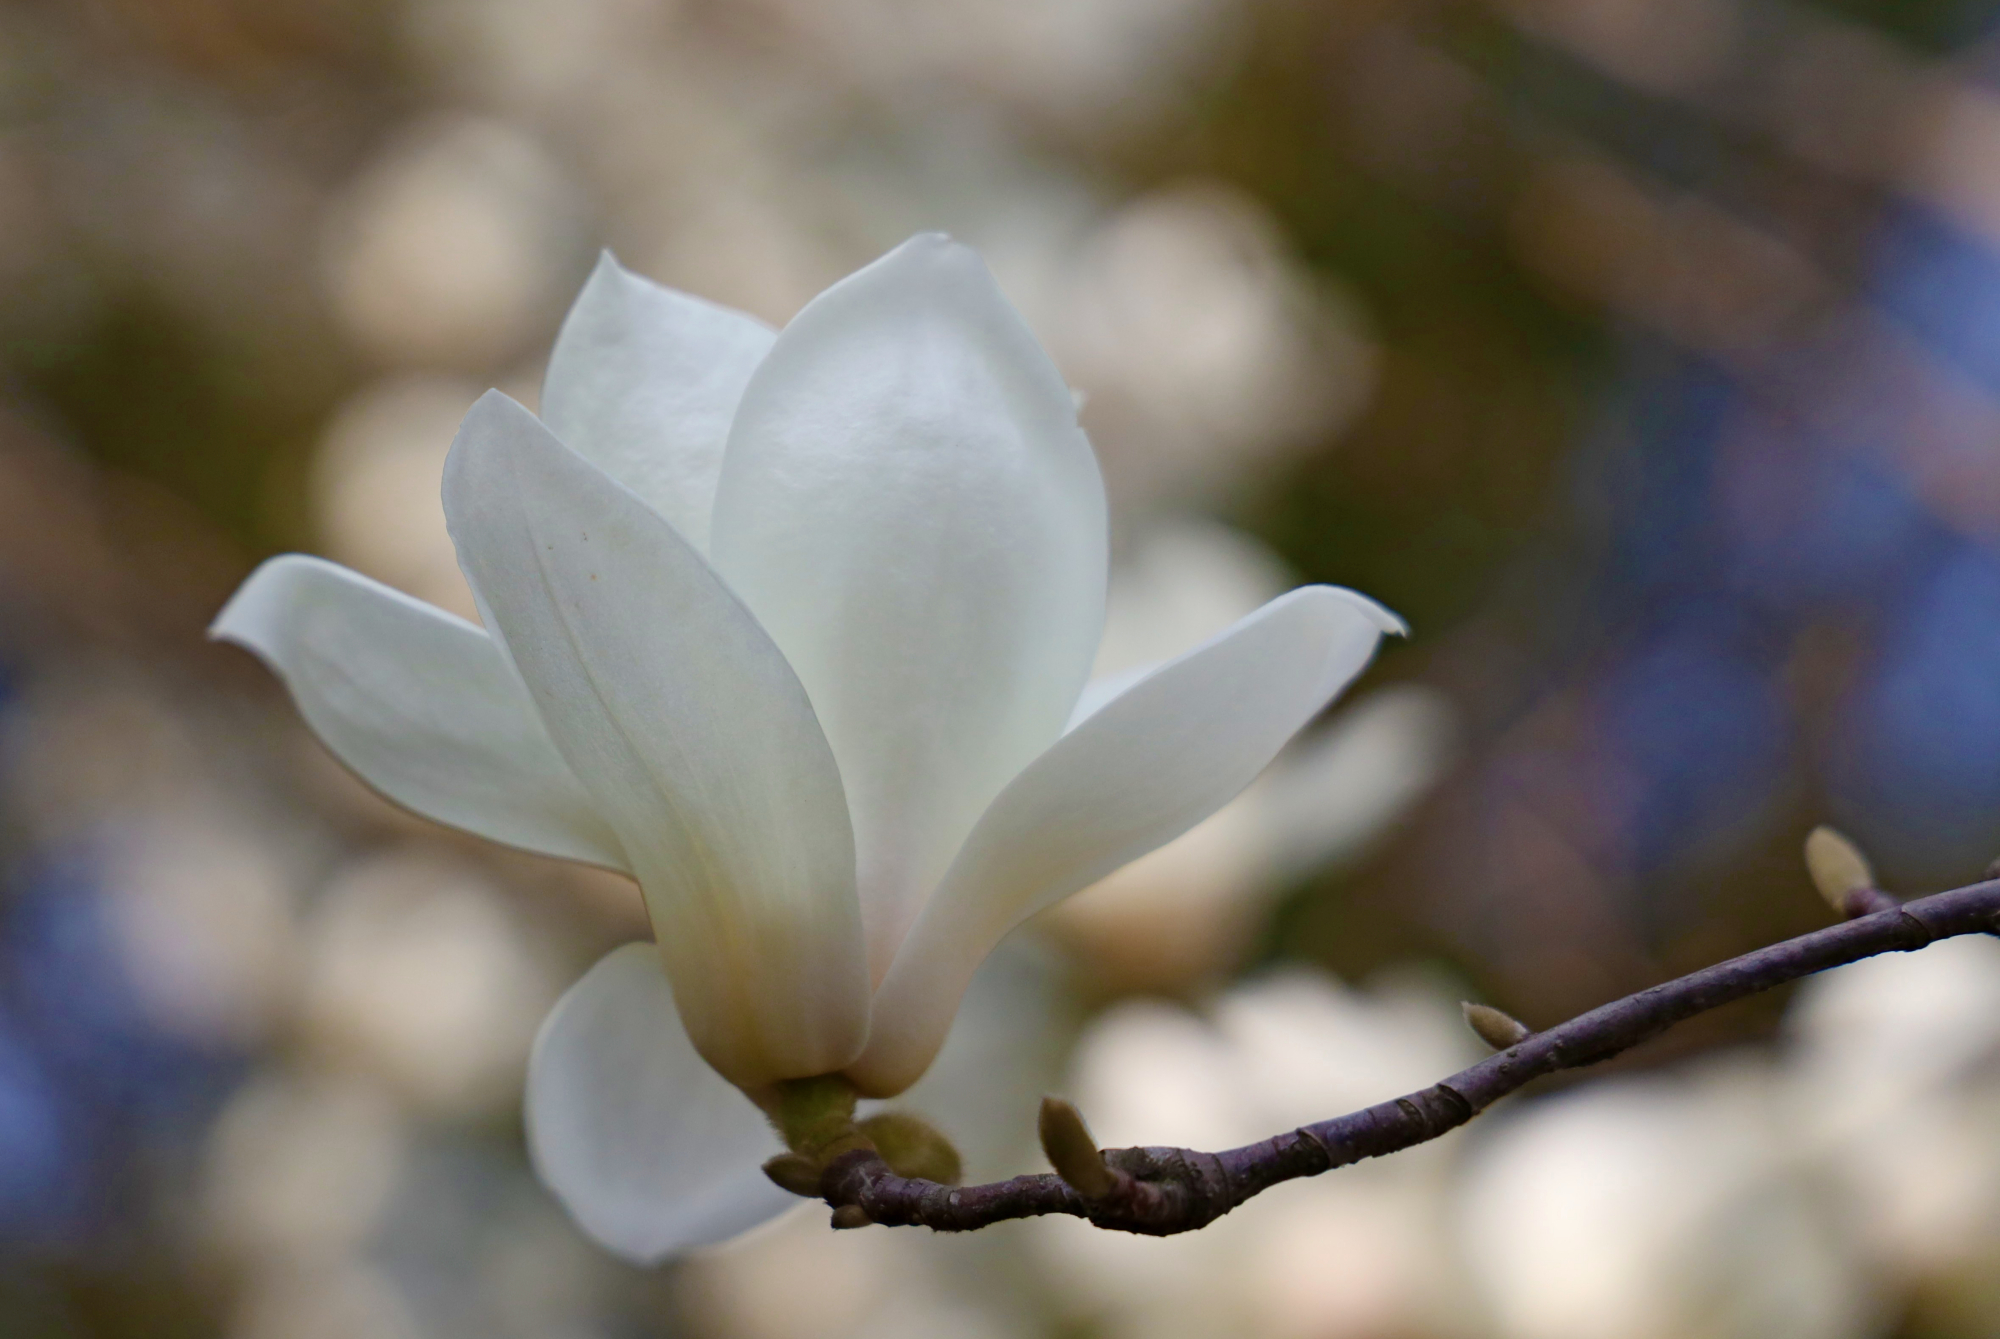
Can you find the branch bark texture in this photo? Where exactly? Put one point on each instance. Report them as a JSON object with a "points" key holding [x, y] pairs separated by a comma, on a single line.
{"points": [[1162, 1191]]}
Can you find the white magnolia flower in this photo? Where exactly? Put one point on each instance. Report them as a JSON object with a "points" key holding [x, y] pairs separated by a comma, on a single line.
{"points": [[792, 627]]}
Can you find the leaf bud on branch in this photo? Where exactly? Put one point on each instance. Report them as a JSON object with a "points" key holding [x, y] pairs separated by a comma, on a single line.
{"points": [[1498, 1030]]}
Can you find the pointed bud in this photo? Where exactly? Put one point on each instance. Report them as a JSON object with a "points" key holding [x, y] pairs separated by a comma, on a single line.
{"points": [[912, 1148], [1837, 867], [791, 1172], [1495, 1028], [1071, 1151], [850, 1216]]}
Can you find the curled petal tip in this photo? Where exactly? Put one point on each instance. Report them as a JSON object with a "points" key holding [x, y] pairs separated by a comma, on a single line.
{"points": [[241, 609], [1382, 617], [933, 248], [494, 400], [611, 270]]}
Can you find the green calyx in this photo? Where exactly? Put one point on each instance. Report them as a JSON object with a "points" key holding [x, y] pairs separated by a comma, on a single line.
{"points": [[815, 1118], [913, 1148]]}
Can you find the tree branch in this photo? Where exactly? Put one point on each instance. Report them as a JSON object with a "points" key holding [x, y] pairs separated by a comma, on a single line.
{"points": [[1162, 1191]]}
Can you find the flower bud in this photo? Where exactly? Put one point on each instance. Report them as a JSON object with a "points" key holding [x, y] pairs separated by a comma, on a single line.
{"points": [[1071, 1151], [912, 1148], [790, 1171], [1496, 1029], [1838, 868]]}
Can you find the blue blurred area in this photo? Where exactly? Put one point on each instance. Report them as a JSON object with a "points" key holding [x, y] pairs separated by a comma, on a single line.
{"points": [[1809, 529], [1916, 769], [1915, 762], [1644, 476], [1692, 711], [1734, 525], [92, 1088], [1942, 284], [75, 992], [45, 1166]]}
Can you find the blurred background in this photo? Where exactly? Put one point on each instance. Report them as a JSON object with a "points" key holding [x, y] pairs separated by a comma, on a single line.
{"points": [[1644, 354]]}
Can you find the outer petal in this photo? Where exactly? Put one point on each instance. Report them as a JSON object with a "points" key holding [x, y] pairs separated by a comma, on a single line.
{"points": [[690, 731], [1140, 771], [643, 382], [1104, 690], [908, 504], [651, 1151], [419, 702], [1006, 1048]]}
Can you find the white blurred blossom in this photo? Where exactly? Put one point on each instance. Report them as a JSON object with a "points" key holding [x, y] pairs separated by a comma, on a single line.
{"points": [[1895, 1078], [300, 1167], [1654, 1208], [325, 1299], [1204, 347], [528, 53], [1358, 1252], [374, 500], [454, 246], [202, 910], [417, 972], [1089, 61]]}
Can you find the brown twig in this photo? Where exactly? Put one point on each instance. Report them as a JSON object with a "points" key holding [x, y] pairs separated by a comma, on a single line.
{"points": [[1161, 1191]]}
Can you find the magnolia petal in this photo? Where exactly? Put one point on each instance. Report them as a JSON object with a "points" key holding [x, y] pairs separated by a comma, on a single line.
{"points": [[1137, 773], [1102, 691], [909, 506], [651, 1151], [1006, 1048], [643, 382], [419, 703], [691, 733]]}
